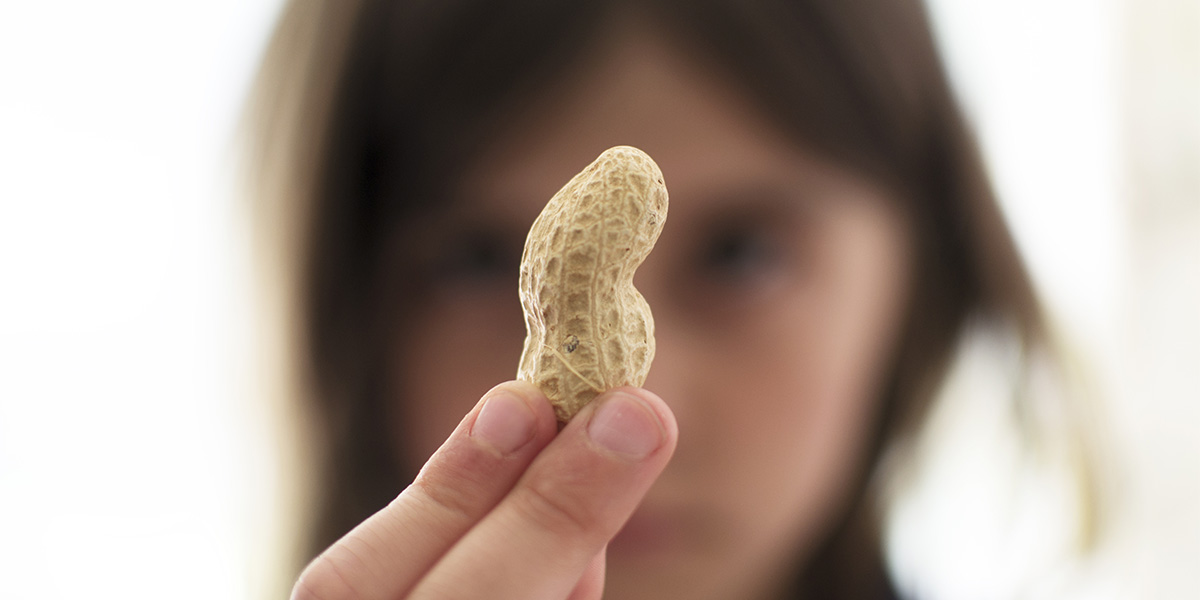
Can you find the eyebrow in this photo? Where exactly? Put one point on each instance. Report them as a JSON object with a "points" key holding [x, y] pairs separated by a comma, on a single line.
{"points": [[765, 197]]}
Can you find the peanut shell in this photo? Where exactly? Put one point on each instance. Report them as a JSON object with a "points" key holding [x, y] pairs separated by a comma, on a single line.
{"points": [[587, 328]]}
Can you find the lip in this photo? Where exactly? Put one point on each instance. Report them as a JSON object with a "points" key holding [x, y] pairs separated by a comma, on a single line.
{"points": [[650, 532]]}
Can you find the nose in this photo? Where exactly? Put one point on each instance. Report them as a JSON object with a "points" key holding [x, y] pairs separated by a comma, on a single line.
{"points": [[666, 377], [671, 374], [679, 376]]}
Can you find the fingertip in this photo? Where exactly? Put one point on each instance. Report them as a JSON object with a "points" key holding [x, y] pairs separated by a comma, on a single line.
{"points": [[658, 406], [519, 388], [533, 398], [628, 422], [505, 422]]}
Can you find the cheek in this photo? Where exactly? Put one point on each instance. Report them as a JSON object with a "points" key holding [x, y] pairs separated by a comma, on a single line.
{"points": [[455, 350], [840, 334], [788, 424], [775, 411]]}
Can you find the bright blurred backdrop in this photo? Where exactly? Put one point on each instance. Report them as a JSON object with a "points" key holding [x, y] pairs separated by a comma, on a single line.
{"points": [[133, 462]]}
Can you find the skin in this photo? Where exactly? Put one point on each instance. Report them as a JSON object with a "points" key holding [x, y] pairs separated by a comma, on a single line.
{"points": [[778, 287]]}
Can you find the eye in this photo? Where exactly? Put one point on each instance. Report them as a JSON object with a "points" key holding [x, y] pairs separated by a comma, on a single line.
{"points": [[477, 257], [741, 255]]}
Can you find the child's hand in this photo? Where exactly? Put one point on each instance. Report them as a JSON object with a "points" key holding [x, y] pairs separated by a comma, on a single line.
{"points": [[506, 509]]}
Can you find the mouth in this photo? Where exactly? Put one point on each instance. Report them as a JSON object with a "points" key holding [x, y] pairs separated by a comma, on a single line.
{"points": [[649, 532]]}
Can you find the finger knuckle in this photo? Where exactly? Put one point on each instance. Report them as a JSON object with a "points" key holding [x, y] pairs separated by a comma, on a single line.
{"points": [[442, 494], [555, 509]]}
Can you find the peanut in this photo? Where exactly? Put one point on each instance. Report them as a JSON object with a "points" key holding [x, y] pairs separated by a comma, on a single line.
{"points": [[588, 329]]}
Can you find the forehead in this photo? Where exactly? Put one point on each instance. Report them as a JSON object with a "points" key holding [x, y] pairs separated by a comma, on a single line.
{"points": [[637, 89]]}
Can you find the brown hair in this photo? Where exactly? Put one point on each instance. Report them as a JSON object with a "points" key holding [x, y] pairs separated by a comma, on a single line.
{"points": [[366, 106]]}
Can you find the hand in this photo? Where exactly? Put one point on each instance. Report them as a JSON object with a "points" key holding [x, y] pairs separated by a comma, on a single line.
{"points": [[505, 508]]}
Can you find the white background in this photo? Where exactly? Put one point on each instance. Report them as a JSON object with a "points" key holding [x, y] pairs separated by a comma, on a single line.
{"points": [[131, 463]]}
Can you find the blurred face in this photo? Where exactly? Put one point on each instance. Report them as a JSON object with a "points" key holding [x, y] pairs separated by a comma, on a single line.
{"points": [[777, 288]]}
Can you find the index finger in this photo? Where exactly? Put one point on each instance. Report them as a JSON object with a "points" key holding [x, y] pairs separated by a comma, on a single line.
{"points": [[475, 468]]}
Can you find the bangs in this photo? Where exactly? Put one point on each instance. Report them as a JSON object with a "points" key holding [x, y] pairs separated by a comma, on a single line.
{"points": [[395, 142]]}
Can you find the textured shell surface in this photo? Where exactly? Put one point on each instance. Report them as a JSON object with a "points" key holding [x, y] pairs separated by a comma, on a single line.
{"points": [[587, 328]]}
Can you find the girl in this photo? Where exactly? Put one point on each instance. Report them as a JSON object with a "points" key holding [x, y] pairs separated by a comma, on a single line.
{"points": [[831, 234]]}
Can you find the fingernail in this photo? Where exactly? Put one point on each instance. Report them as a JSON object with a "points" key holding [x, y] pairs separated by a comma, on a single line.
{"points": [[505, 422], [624, 425]]}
